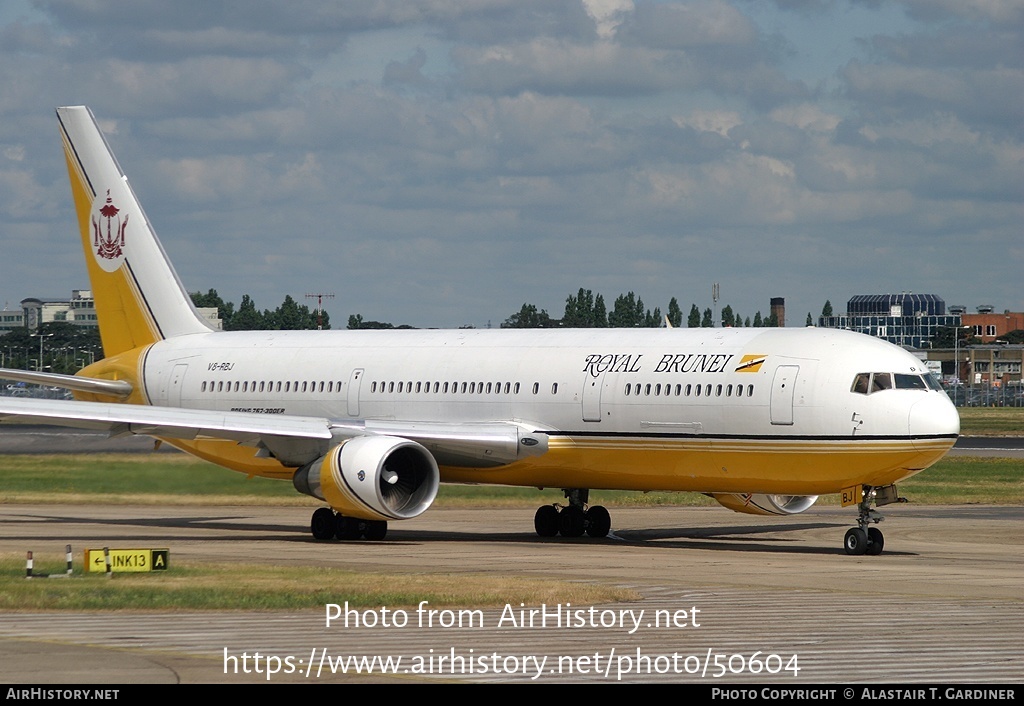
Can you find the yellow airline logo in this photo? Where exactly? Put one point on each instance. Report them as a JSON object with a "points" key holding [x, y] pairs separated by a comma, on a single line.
{"points": [[751, 363]]}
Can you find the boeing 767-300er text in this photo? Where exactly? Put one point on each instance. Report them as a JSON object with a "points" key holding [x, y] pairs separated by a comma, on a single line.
{"points": [[370, 422]]}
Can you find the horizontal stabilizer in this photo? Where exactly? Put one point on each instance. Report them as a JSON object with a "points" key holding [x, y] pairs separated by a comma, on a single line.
{"points": [[98, 386]]}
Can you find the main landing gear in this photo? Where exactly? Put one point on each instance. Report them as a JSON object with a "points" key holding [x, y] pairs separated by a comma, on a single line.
{"points": [[573, 520], [328, 524], [864, 539]]}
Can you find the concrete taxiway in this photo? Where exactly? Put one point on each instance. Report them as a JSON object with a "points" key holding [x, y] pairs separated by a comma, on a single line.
{"points": [[943, 603]]}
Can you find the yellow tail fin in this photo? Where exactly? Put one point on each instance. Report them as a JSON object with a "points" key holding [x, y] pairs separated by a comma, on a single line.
{"points": [[139, 298]]}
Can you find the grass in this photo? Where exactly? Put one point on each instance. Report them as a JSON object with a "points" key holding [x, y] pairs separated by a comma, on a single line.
{"points": [[991, 421], [178, 479], [195, 586]]}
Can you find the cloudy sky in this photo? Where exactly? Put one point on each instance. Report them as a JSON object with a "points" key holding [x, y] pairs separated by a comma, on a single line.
{"points": [[440, 163]]}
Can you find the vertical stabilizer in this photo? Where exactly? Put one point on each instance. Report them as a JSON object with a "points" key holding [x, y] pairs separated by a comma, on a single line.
{"points": [[139, 298]]}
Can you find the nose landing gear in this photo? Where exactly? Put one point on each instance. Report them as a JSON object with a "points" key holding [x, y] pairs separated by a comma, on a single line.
{"points": [[864, 539]]}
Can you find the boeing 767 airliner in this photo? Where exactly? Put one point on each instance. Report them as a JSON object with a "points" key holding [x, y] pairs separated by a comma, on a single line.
{"points": [[370, 422]]}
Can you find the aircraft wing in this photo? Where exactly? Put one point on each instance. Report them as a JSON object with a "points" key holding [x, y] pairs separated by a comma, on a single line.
{"points": [[295, 440]]}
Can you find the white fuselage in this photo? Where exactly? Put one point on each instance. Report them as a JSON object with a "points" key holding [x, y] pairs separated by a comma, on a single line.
{"points": [[700, 392]]}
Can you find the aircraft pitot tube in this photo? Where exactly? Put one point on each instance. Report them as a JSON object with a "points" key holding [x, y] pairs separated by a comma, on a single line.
{"points": [[751, 504], [373, 478]]}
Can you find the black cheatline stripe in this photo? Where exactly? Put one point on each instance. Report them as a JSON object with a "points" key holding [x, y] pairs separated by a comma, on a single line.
{"points": [[748, 437], [81, 167], [145, 302]]}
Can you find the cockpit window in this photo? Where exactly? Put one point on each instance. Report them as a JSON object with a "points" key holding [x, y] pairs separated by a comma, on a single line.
{"points": [[866, 383], [861, 383], [881, 381], [910, 382]]}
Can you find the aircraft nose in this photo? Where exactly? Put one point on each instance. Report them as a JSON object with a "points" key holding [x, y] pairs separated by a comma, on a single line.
{"points": [[933, 417]]}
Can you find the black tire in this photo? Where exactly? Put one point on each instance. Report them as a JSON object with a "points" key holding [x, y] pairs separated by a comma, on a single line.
{"points": [[875, 541], [348, 527], [599, 522], [545, 522], [856, 542], [323, 525], [571, 521], [376, 530]]}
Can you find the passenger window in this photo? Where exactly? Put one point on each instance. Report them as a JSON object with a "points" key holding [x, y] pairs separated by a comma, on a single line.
{"points": [[554, 388]]}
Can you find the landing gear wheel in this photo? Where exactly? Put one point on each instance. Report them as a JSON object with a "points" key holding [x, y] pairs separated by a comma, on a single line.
{"points": [[856, 542], [545, 522], [571, 521], [375, 530], [347, 527], [875, 541], [598, 521], [323, 525]]}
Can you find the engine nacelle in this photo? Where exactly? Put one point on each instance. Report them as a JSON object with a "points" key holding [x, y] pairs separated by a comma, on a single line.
{"points": [[373, 478], [765, 504]]}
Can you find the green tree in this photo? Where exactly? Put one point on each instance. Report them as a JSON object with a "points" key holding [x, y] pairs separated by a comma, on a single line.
{"points": [[707, 321], [248, 317], [581, 310], [675, 314], [693, 320], [758, 322], [653, 319], [728, 317], [289, 316], [629, 312], [600, 312], [810, 321], [773, 320], [528, 317], [827, 309]]}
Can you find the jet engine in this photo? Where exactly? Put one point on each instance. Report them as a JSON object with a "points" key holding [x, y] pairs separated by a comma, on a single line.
{"points": [[765, 504], [373, 478]]}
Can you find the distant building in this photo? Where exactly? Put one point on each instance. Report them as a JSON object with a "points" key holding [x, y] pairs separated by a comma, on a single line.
{"points": [[11, 319], [79, 310], [212, 317], [987, 325], [905, 319]]}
